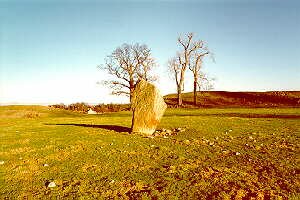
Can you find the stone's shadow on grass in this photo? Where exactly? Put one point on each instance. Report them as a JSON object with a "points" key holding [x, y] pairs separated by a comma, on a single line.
{"points": [[241, 115], [108, 127]]}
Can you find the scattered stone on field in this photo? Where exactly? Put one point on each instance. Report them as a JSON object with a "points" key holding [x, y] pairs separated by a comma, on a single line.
{"points": [[45, 165], [168, 132], [179, 129], [205, 140], [224, 151], [211, 143], [163, 132], [51, 184], [187, 142], [2, 162], [292, 148], [230, 130], [237, 153], [196, 141], [148, 108], [154, 147], [112, 181], [250, 137]]}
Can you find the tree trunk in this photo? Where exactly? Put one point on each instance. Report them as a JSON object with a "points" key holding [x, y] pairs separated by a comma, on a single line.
{"points": [[179, 97], [130, 96], [179, 88], [131, 85], [195, 92]]}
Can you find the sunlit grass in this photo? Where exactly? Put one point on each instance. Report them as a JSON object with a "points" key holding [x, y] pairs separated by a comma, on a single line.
{"points": [[223, 154]]}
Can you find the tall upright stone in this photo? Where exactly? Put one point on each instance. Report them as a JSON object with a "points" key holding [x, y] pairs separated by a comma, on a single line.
{"points": [[148, 107]]}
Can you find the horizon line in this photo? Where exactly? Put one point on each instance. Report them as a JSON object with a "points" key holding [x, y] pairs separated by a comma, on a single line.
{"points": [[94, 103]]}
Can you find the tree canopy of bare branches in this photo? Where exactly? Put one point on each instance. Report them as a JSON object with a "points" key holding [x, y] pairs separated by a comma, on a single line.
{"points": [[205, 82], [126, 65], [190, 56], [196, 64], [179, 64]]}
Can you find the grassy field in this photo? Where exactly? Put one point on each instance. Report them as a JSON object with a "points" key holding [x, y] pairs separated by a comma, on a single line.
{"points": [[222, 154]]}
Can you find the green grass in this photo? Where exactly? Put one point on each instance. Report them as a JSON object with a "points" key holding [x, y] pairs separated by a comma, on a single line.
{"points": [[223, 154]]}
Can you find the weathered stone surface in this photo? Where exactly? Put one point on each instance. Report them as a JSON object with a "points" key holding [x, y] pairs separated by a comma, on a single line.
{"points": [[148, 107]]}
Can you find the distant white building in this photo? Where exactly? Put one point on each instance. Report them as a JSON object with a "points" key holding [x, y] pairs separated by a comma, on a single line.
{"points": [[90, 111]]}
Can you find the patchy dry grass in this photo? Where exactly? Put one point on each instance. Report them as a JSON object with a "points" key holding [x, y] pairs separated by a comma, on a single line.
{"points": [[223, 154]]}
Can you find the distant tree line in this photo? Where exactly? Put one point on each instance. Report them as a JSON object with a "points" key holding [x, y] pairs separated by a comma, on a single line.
{"points": [[100, 108], [103, 108], [80, 107]]}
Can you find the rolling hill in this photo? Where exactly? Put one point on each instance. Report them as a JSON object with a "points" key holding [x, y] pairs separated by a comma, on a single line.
{"points": [[222, 99]]}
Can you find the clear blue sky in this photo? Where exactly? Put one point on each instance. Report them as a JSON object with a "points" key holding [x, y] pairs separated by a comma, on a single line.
{"points": [[49, 50]]}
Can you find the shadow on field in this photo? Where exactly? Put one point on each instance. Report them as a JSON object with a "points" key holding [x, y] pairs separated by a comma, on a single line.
{"points": [[108, 127], [241, 115]]}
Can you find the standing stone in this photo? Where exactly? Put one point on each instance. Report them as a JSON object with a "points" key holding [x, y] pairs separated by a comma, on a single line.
{"points": [[148, 107]]}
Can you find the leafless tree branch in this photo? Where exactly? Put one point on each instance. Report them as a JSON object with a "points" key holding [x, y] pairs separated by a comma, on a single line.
{"points": [[127, 64]]}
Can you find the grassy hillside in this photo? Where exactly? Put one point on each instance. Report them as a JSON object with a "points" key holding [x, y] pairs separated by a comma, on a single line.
{"points": [[222, 154], [239, 99]]}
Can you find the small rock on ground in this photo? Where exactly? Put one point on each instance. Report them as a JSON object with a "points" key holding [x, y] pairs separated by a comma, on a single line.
{"points": [[51, 184], [168, 132]]}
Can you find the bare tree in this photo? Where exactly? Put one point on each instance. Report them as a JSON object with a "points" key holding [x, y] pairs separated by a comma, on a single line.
{"points": [[175, 69], [196, 64], [205, 83], [180, 63], [127, 64]]}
